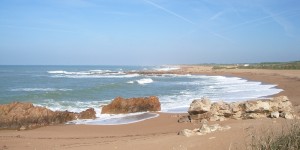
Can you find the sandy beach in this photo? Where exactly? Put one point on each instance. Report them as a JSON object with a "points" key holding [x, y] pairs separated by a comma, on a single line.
{"points": [[160, 132]]}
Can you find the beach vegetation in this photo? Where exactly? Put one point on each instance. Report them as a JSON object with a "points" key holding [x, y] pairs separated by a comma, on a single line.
{"points": [[286, 138], [295, 65], [224, 67]]}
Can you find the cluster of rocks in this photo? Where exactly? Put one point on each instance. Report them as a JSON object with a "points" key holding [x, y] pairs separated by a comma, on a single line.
{"points": [[24, 116], [131, 105], [220, 111], [204, 129]]}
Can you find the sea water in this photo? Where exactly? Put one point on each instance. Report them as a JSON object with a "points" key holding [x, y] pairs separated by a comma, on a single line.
{"points": [[76, 88]]}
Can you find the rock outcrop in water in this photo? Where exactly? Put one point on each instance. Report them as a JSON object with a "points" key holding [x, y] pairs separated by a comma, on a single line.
{"points": [[220, 111], [24, 116], [120, 105], [87, 114]]}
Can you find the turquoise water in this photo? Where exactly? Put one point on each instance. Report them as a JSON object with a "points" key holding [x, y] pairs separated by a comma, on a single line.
{"points": [[76, 88]]}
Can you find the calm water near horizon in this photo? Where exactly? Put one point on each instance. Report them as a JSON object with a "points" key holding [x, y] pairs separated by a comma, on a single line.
{"points": [[76, 88]]}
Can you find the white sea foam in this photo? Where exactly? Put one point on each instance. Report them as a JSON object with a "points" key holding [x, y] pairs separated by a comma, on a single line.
{"points": [[110, 75], [171, 76], [57, 72], [141, 81], [102, 119], [107, 119], [90, 72], [228, 89], [144, 81], [73, 106], [216, 88], [99, 71], [166, 68], [38, 89], [131, 82]]}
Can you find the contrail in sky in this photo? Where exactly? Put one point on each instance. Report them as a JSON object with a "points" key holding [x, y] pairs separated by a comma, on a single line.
{"points": [[217, 15], [285, 24], [222, 37], [169, 12], [259, 19], [187, 20]]}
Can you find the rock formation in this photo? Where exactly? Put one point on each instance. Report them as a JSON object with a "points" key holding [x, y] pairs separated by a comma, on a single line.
{"points": [[219, 111], [200, 106], [204, 129], [120, 105], [87, 114], [23, 116]]}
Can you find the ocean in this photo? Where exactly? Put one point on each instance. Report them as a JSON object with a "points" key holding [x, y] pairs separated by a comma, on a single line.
{"points": [[76, 88]]}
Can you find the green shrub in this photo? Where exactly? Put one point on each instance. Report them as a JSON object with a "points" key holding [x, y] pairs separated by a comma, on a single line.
{"points": [[274, 65]]}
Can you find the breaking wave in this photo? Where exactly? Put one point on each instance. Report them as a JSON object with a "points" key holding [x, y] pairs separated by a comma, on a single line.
{"points": [[142, 81], [91, 74], [166, 68], [38, 89]]}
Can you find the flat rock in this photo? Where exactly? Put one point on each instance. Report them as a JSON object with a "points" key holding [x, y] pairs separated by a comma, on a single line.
{"points": [[203, 130], [187, 133]]}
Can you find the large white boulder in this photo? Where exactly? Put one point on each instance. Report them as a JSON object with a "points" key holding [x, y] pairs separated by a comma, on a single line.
{"points": [[200, 106]]}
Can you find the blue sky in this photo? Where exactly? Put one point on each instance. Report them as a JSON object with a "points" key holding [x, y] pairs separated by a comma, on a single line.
{"points": [[148, 32]]}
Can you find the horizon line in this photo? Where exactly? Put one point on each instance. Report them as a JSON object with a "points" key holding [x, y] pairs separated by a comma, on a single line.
{"points": [[148, 65]]}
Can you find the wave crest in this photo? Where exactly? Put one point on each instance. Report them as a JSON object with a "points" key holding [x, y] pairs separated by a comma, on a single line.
{"points": [[91, 74], [144, 81], [166, 68], [38, 89]]}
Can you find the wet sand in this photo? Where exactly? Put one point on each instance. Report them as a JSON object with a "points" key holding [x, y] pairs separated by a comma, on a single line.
{"points": [[160, 132]]}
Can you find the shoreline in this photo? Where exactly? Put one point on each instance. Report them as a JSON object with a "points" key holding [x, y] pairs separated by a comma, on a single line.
{"points": [[287, 80], [159, 132]]}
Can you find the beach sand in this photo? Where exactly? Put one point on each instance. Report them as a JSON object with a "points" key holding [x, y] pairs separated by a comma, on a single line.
{"points": [[160, 132]]}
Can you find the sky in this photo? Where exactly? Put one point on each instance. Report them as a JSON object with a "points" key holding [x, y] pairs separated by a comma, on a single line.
{"points": [[148, 32]]}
